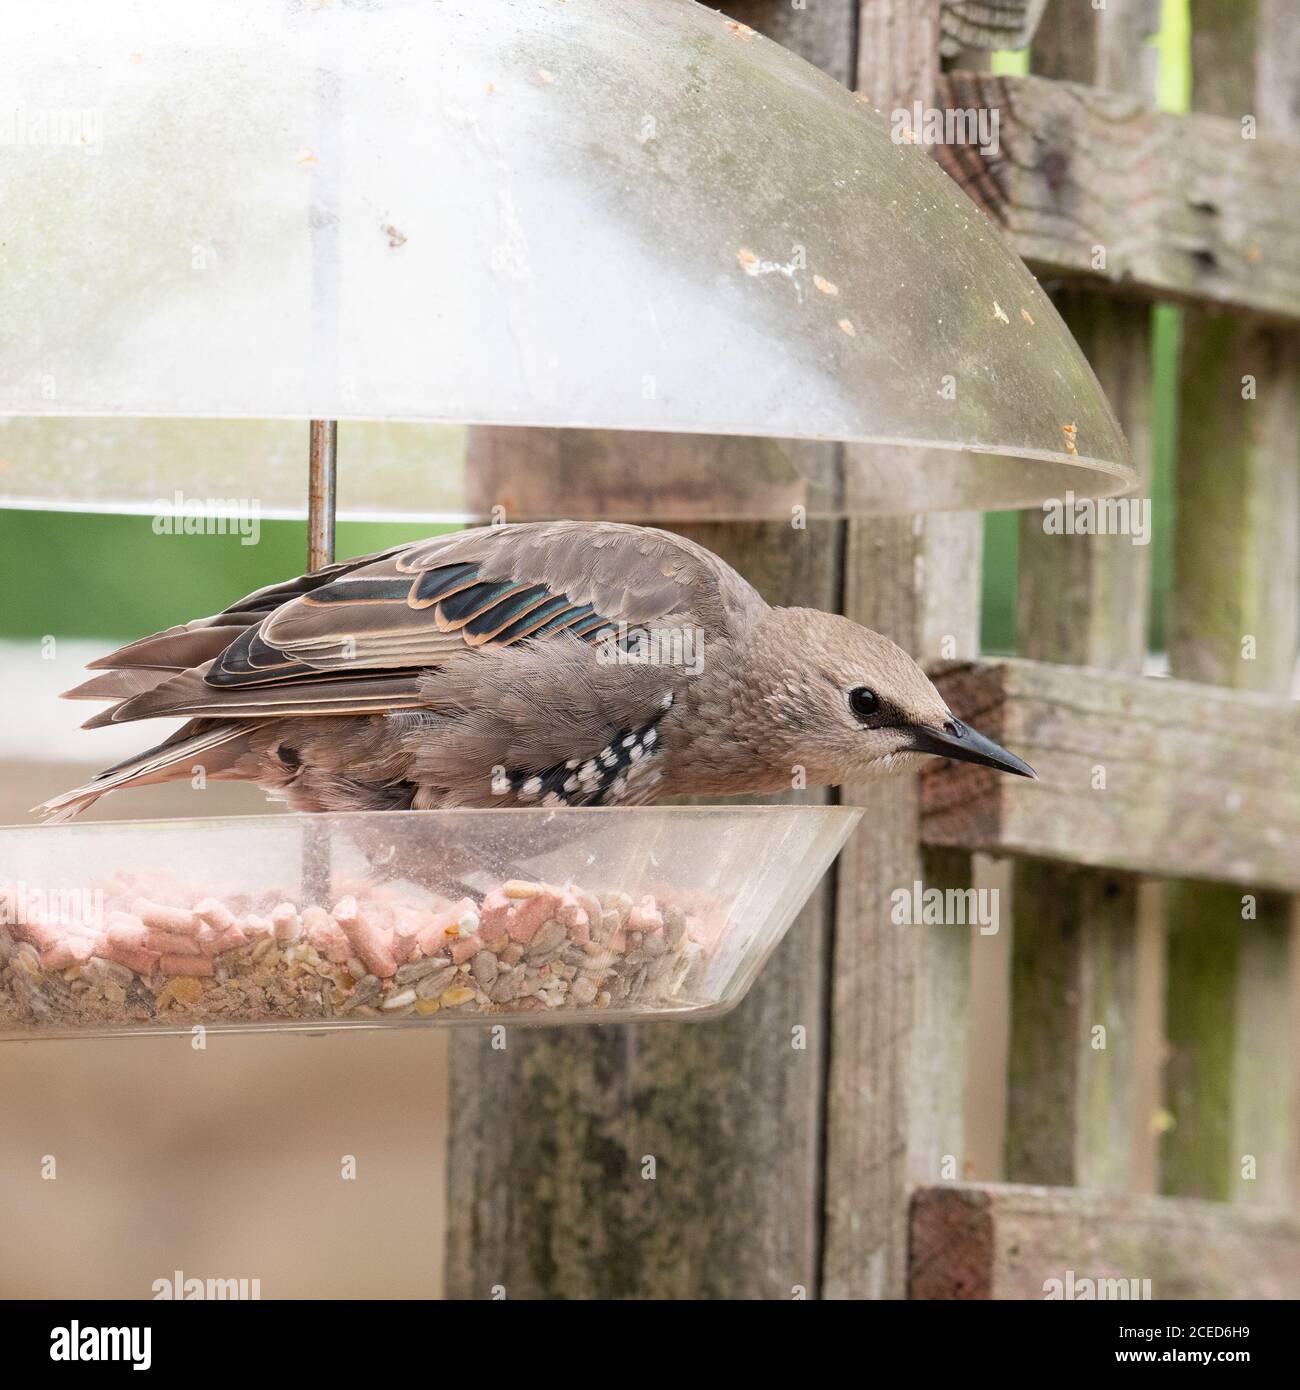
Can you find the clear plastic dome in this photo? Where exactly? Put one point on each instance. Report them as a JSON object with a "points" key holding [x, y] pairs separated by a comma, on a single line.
{"points": [[598, 215]]}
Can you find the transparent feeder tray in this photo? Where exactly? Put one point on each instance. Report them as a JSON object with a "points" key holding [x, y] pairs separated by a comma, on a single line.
{"points": [[383, 919]]}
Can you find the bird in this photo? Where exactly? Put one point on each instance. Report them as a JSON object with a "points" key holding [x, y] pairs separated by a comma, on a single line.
{"points": [[540, 664]]}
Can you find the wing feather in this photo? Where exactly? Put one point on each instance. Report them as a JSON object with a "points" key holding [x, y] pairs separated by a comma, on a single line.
{"points": [[354, 638]]}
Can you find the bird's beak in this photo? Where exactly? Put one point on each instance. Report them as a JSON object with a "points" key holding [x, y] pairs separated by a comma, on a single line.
{"points": [[960, 741]]}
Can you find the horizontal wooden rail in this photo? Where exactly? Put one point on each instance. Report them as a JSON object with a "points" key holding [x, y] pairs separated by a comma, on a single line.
{"points": [[1180, 206], [1004, 1241], [1162, 777]]}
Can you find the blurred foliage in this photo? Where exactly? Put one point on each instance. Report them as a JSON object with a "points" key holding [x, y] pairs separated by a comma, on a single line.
{"points": [[73, 574]]}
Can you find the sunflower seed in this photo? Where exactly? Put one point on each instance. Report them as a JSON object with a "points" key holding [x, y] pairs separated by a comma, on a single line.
{"points": [[506, 987], [418, 969], [484, 968], [583, 990], [431, 986], [550, 937], [363, 992], [674, 926]]}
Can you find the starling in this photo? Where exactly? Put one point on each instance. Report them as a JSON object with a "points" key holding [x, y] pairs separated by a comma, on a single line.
{"points": [[549, 664]]}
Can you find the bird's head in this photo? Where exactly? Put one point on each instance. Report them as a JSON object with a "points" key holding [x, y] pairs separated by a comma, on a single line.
{"points": [[848, 704]]}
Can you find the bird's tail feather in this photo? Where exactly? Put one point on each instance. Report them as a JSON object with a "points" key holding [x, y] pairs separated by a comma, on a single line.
{"points": [[166, 762]]}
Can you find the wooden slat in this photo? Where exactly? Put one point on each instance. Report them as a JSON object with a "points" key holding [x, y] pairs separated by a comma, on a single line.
{"points": [[1071, 1100], [1198, 781], [1011, 1242], [820, 32], [1231, 1080], [898, 1017], [1236, 567], [1101, 45], [1082, 599], [1072, 1104], [1183, 206], [642, 476], [898, 995]]}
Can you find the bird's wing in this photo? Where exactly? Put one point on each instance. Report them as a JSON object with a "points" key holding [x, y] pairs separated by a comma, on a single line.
{"points": [[355, 639]]}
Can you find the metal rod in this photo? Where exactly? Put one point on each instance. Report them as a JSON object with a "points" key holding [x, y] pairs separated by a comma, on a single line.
{"points": [[322, 478]]}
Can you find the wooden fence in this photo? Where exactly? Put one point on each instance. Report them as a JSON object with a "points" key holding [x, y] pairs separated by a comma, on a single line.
{"points": [[1151, 1054]]}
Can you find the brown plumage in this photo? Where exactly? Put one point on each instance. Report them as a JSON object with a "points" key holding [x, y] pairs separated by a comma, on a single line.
{"points": [[553, 663]]}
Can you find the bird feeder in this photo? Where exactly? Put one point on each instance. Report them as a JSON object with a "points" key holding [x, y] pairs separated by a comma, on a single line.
{"points": [[429, 229]]}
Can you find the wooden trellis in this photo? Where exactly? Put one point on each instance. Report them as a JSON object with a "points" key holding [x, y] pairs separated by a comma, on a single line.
{"points": [[828, 1170]]}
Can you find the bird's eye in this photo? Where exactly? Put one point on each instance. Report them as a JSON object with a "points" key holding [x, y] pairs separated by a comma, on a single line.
{"points": [[863, 702]]}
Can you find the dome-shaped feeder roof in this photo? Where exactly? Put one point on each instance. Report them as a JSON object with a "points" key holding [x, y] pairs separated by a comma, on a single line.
{"points": [[597, 214]]}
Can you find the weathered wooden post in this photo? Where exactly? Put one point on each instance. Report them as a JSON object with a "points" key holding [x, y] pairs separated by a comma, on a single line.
{"points": [[898, 1000]]}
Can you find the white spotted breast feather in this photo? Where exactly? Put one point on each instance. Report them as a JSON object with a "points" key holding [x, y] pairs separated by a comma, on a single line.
{"points": [[627, 770]]}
